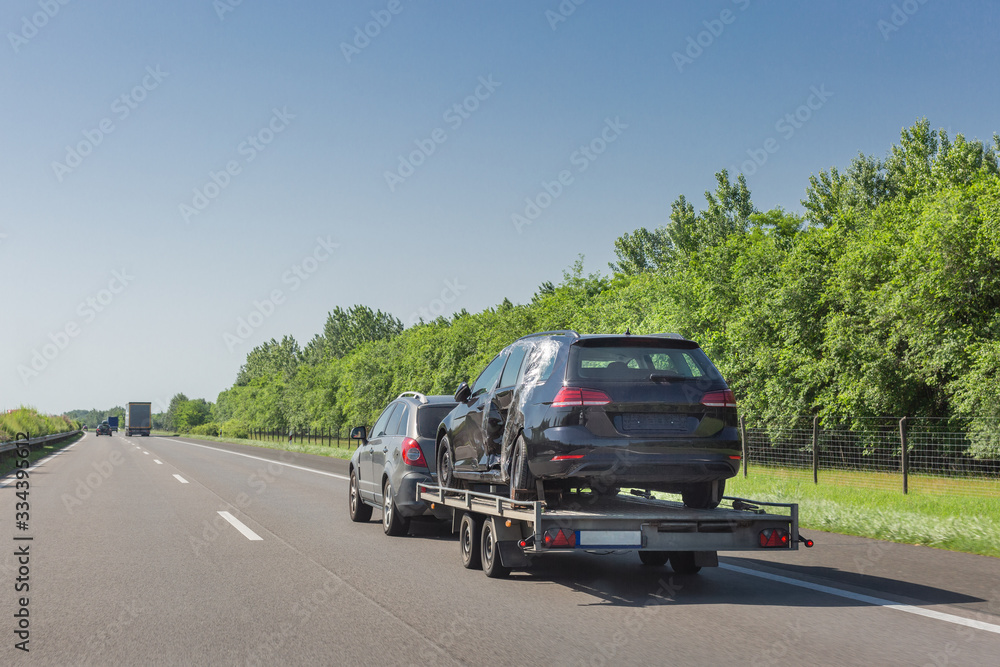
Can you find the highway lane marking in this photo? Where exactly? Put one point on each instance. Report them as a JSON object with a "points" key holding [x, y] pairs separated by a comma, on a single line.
{"points": [[868, 599], [257, 458], [238, 525], [158, 462], [181, 479], [146, 453]]}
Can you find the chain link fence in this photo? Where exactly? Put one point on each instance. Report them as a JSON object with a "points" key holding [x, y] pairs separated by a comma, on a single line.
{"points": [[870, 453]]}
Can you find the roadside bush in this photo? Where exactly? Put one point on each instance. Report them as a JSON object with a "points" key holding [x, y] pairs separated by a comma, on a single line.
{"points": [[27, 420], [233, 429], [211, 428]]}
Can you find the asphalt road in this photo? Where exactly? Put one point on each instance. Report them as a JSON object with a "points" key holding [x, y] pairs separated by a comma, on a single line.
{"points": [[131, 562]]}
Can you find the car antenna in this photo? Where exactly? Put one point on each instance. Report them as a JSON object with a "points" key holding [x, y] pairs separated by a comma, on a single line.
{"points": [[628, 331]]}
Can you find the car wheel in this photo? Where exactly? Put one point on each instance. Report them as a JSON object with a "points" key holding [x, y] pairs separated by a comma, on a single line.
{"points": [[683, 562], [490, 552], [654, 558], [522, 482], [446, 465], [360, 512], [469, 536], [393, 524], [704, 496]]}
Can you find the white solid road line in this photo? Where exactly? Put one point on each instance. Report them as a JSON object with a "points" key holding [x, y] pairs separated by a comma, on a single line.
{"points": [[158, 461], [181, 479], [868, 599], [257, 458], [13, 476], [238, 525]]}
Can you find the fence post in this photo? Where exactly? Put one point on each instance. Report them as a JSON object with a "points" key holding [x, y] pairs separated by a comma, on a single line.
{"points": [[816, 449], [904, 457], [743, 439]]}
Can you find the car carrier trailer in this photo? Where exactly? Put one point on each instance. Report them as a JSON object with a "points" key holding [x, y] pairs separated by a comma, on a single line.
{"points": [[498, 534]]}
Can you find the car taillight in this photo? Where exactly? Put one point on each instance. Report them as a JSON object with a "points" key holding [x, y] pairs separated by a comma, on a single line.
{"points": [[557, 537], [569, 397], [774, 537], [412, 454], [719, 399]]}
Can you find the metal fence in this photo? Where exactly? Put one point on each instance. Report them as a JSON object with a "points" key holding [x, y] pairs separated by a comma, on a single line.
{"points": [[329, 437], [925, 454]]}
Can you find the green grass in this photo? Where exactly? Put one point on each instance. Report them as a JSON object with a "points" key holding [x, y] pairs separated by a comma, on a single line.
{"points": [[8, 460], [27, 420], [312, 446], [947, 513]]}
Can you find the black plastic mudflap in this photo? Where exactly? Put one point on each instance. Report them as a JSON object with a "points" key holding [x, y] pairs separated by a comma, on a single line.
{"points": [[706, 558], [512, 555]]}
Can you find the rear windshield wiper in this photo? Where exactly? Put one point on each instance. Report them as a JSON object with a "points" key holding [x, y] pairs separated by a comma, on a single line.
{"points": [[663, 377]]}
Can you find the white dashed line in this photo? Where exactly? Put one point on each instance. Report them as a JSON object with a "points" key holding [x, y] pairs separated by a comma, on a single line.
{"points": [[157, 461], [181, 479], [247, 533]]}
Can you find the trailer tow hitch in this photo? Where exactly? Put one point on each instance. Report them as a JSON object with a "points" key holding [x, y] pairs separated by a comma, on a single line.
{"points": [[806, 542]]}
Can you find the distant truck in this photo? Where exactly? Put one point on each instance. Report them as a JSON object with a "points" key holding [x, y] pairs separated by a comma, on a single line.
{"points": [[113, 423], [138, 418]]}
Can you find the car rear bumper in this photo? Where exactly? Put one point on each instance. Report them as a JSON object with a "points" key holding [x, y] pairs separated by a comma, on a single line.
{"points": [[574, 452], [406, 497]]}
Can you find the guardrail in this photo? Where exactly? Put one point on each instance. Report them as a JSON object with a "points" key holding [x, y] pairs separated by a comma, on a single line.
{"points": [[55, 437]]}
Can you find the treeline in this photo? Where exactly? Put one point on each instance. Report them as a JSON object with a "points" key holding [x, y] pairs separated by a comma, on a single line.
{"points": [[881, 299], [93, 417], [28, 420]]}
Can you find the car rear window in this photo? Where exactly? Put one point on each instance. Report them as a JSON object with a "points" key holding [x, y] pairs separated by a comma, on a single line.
{"points": [[428, 418], [638, 361]]}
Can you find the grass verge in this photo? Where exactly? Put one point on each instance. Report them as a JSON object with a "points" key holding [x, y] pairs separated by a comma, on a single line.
{"points": [[949, 514], [304, 447], [8, 461]]}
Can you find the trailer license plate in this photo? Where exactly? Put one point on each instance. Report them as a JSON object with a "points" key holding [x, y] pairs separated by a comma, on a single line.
{"points": [[605, 539]]}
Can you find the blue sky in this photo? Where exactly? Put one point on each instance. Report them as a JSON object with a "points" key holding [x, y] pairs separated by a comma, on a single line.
{"points": [[171, 170]]}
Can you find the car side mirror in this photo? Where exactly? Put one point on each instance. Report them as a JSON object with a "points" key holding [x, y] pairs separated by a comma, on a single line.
{"points": [[359, 433], [463, 392]]}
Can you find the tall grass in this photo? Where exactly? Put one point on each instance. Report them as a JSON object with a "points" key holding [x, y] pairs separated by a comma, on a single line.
{"points": [[28, 420]]}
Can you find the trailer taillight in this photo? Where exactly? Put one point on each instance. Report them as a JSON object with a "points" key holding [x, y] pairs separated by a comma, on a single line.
{"points": [[557, 537], [774, 537], [412, 454]]}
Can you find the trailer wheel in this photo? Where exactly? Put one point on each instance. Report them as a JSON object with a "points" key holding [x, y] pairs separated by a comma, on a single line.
{"points": [[393, 524], [359, 511], [704, 496], [683, 562], [522, 482], [490, 550], [654, 558], [470, 539]]}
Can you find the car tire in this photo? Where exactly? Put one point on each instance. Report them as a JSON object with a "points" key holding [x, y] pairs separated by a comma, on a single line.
{"points": [[682, 562], [490, 552], [704, 496], [446, 465], [654, 558], [522, 482], [469, 540], [359, 511], [393, 524]]}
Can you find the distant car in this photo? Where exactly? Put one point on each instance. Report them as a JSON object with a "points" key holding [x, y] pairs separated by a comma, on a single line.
{"points": [[104, 429], [396, 456], [85, 428], [600, 412]]}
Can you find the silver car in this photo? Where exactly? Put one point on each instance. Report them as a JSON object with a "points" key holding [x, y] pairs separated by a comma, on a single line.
{"points": [[396, 456]]}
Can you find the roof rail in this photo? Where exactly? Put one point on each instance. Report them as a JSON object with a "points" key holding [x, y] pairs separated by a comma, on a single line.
{"points": [[559, 332], [415, 394]]}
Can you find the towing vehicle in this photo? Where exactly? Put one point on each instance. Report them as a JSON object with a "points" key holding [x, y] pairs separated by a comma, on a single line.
{"points": [[498, 534]]}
